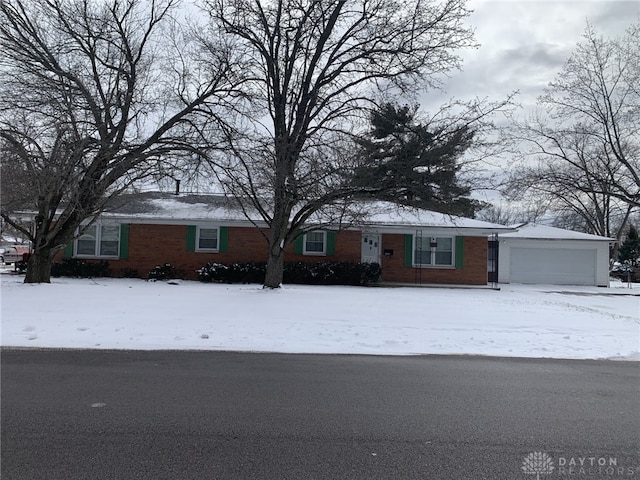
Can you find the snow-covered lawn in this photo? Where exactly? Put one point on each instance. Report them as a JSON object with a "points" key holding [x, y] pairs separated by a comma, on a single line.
{"points": [[518, 320]]}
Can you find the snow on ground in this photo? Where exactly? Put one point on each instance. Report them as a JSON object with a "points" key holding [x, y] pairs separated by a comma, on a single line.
{"points": [[518, 320]]}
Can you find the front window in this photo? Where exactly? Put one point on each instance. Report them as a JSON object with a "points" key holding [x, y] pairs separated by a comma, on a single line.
{"points": [[99, 241], [433, 251], [314, 243], [443, 251], [110, 240], [86, 243], [422, 251], [207, 239]]}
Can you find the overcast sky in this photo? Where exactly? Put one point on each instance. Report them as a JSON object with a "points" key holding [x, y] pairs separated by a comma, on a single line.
{"points": [[524, 44]]}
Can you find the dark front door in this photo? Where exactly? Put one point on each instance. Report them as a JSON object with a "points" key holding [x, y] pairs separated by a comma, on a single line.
{"points": [[492, 262]]}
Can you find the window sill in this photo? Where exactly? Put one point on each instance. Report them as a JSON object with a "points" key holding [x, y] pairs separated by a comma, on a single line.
{"points": [[314, 254], [436, 267]]}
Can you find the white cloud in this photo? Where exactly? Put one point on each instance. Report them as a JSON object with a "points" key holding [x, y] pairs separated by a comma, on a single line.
{"points": [[524, 44]]}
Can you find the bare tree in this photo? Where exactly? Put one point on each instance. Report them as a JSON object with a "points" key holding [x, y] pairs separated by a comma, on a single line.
{"points": [[510, 214], [93, 94], [582, 152], [312, 68], [578, 186]]}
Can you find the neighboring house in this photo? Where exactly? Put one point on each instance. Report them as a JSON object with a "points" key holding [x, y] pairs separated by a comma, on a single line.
{"points": [[188, 231], [540, 254]]}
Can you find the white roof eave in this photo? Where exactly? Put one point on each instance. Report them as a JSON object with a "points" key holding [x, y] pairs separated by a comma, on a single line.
{"points": [[396, 228], [567, 239], [407, 228], [532, 231]]}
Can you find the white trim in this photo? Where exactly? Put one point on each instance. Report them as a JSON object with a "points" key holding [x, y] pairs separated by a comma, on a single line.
{"points": [[324, 244], [373, 227], [207, 227], [97, 241], [432, 253], [382, 229]]}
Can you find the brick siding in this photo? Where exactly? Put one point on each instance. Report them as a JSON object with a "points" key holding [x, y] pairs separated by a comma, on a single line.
{"points": [[151, 245], [473, 272]]}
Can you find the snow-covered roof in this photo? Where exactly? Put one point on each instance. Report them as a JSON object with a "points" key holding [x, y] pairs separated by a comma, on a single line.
{"points": [[536, 231], [393, 215], [163, 207]]}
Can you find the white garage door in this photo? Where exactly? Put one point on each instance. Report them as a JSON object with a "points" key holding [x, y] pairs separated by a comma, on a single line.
{"points": [[556, 266]]}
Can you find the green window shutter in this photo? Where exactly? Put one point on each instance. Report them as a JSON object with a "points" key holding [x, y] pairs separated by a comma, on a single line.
{"points": [[68, 250], [331, 243], [298, 245], [191, 238], [124, 241], [223, 241], [408, 250], [459, 252]]}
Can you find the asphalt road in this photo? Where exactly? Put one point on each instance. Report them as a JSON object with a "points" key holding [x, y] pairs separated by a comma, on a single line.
{"points": [[94, 415]]}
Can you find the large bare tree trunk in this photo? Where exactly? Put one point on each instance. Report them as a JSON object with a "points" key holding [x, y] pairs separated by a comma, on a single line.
{"points": [[275, 267], [39, 266], [278, 231]]}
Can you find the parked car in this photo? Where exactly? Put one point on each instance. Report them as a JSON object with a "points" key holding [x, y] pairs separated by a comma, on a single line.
{"points": [[13, 254]]}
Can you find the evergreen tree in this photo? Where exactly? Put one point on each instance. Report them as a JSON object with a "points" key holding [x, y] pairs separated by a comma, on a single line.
{"points": [[410, 163], [630, 248]]}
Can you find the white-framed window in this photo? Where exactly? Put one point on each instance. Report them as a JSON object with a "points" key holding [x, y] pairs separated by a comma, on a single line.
{"points": [[433, 251], [314, 243], [99, 240], [207, 239]]}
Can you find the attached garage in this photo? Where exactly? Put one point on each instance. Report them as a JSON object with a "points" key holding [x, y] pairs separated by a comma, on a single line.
{"points": [[553, 265], [538, 254]]}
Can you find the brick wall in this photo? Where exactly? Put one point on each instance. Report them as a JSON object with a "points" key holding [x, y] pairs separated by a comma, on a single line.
{"points": [[151, 245], [474, 271], [347, 250]]}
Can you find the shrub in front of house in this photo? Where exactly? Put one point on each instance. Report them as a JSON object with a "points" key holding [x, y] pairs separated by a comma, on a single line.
{"points": [[75, 267], [322, 273], [212, 272], [249, 272], [164, 272], [369, 273], [332, 273]]}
